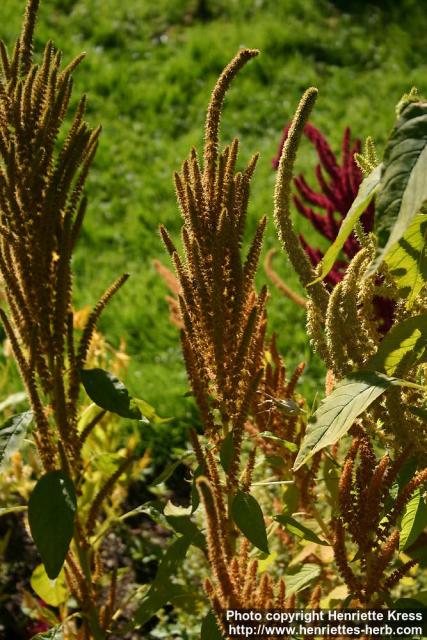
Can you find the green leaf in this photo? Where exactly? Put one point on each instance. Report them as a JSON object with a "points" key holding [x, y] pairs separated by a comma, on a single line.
{"points": [[420, 412], [149, 413], [337, 412], [185, 526], [195, 498], [18, 509], [403, 186], [414, 520], [51, 512], [407, 260], [367, 190], [404, 345], [302, 579], [247, 515], [162, 589], [53, 592], [12, 434], [168, 471], [109, 393], [298, 529], [291, 446], [209, 630], [13, 400], [226, 451], [53, 634]]}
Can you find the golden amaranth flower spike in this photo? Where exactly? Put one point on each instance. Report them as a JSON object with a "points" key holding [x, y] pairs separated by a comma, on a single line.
{"points": [[282, 199]]}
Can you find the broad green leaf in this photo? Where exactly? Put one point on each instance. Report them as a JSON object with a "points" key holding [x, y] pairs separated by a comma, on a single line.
{"points": [[53, 592], [403, 185], [407, 260], [367, 190], [247, 515], [301, 579], [210, 630], [109, 393], [335, 415], [404, 345], [226, 451], [53, 634], [162, 589], [414, 520], [12, 434], [51, 512], [298, 529]]}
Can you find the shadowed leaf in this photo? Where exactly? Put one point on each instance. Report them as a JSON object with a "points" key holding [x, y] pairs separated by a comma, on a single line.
{"points": [[51, 512], [247, 515]]}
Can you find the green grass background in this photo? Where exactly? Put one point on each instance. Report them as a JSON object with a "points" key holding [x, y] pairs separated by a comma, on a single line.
{"points": [[149, 71]]}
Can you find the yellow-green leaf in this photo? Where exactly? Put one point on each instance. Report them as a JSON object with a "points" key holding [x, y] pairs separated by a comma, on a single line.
{"points": [[403, 186], [402, 347], [414, 520], [350, 398], [53, 592], [12, 434], [407, 260], [301, 579], [367, 190]]}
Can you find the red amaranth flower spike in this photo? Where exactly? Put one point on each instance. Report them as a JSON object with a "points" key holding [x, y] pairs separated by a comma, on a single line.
{"points": [[339, 184]]}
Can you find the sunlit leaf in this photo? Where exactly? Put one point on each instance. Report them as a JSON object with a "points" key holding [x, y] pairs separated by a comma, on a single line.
{"points": [[53, 634], [13, 400], [368, 188], [52, 592], [403, 186], [301, 579], [414, 520], [403, 346], [335, 415], [18, 509], [407, 260], [12, 434]]}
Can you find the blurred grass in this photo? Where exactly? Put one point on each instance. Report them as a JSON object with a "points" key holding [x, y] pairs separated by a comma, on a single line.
{"points": [[149, 71]]}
